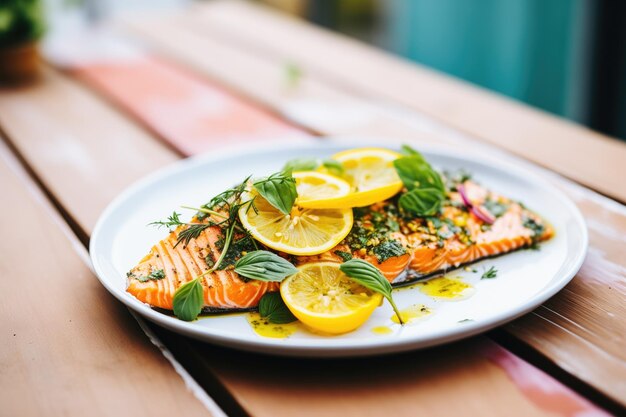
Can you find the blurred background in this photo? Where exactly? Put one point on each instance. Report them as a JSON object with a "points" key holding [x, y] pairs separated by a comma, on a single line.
{"points": [[567, 57]]}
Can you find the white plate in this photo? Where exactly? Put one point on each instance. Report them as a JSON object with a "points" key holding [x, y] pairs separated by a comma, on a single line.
{"points": [[525, 278]]}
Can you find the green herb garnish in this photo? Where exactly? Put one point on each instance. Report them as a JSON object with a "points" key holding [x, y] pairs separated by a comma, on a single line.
{"points": [[192, 231], [370, 277], [534, 226], [188, 300], [279, 190], [156, 275], [345, 256], [311, 164], [421, 202], [495, 207], [490, 273], [426, 189], [263, 265], [417, 173], [388, 249], [273, 308]]}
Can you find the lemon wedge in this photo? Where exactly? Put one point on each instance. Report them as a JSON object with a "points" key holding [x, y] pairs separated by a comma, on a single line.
{"points": [[325, 299], [371, 175], [314, 186], [303, 231]]}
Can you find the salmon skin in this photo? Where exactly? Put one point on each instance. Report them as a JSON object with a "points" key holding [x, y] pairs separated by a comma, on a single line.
{"points": [[404, 248]]}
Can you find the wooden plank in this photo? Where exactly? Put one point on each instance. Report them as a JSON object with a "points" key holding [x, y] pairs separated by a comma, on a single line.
{"points": [[580, 329], [54, 118], [193, 115], [474, 377], [67, 347], [264, 385], [560, 145]]}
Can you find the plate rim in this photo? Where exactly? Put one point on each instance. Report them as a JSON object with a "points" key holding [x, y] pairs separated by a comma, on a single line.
{"points": [[360, 348]]}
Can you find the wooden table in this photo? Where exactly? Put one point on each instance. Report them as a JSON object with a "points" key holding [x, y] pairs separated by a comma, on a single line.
{"points": [[121, 101]]}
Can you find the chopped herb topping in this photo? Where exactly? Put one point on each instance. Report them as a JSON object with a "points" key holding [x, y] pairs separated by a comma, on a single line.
{"points": [[388, 250], [372, 231], [345, 256], [536, 228], [452, 179], [155, 275], [210, 259], [490, 273], [495, 207], [238, 248]]}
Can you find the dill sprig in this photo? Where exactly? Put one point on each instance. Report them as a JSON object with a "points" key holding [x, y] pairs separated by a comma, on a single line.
{"points": [[280, 191], [192, 231], [490, 273]]}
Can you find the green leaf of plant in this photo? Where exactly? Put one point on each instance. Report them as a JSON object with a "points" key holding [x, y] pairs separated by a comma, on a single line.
{"points": [[273, 308], [311, 164], [301, 164], [370, 277], [415, 172], [279, 190], [263, 265], [335, 167], [409, 151], [188, 300], [421, 202]]}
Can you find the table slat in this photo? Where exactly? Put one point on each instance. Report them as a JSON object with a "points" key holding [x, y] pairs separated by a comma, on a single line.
{"points": [[54, 360], [52, 121]]}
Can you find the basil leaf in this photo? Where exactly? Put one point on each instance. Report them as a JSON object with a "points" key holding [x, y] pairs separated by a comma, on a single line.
{"points": [[273, 308], [188, 300], [279, 190], [421, 202], [311, 164], [370, 277], [335, 167], [408, 151], [301, 164], [415, 172], [263, 265]]}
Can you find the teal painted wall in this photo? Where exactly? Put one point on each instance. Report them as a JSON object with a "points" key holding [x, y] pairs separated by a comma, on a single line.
{"points": [[531, 50]]}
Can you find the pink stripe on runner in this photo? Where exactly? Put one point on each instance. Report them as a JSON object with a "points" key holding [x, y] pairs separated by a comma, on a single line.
{"points": [[195, 115], [540, 388]]}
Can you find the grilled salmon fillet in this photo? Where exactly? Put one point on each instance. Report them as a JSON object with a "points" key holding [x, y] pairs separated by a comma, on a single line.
{"points": [[380, 235], [168, 266], [458, 237]]}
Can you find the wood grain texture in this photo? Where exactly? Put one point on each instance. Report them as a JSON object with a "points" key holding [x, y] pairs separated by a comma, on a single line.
{"points": [[68, 348], [194, 116], [266, 386], [533, 134], [67, 132], [581, 329], [473, 377]]}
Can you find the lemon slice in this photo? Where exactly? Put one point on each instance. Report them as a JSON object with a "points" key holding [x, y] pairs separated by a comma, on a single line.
{"points": [[325, 299], [371, 175], [313, 186], [303, 231]]}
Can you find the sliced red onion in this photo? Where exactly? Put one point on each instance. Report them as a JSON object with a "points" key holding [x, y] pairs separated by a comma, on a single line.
{"points": [[461, 189], [483, 214], [478, 211]]}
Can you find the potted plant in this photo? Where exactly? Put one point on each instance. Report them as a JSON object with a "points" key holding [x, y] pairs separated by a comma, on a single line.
{"points": [[21, 26]]}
